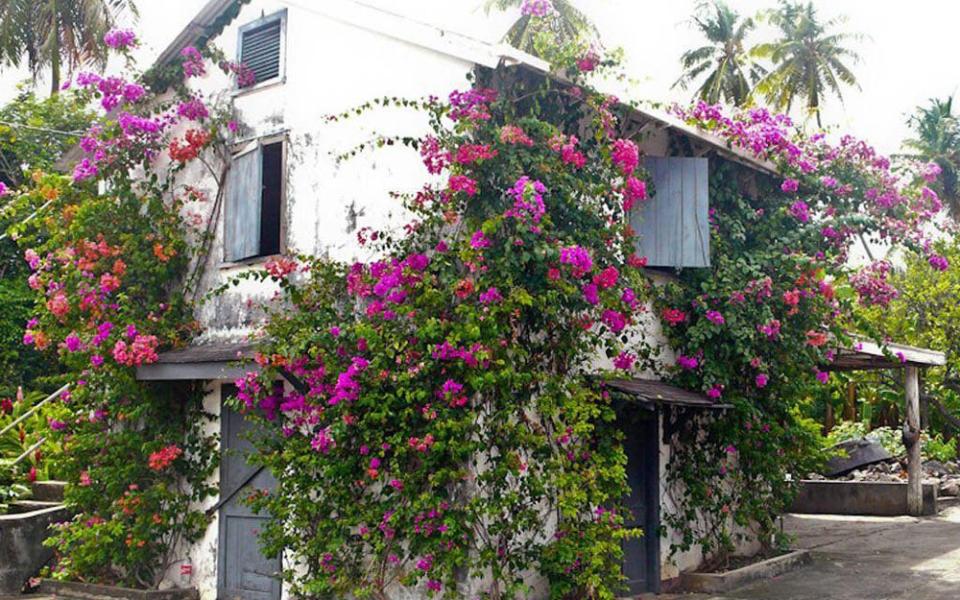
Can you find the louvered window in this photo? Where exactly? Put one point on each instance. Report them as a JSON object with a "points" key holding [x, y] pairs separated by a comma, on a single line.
{"points": [[261, 45]]}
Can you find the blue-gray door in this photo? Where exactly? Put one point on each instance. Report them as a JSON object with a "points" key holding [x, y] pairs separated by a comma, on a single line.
{"points": [[243, 572], [641, 556]]}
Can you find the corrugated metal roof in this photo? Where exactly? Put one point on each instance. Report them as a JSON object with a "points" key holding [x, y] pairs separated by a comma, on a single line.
{"points": [[659, 392]]}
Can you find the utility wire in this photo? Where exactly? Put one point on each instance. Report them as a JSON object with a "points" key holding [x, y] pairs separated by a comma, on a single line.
{"points": [[44, 129]]}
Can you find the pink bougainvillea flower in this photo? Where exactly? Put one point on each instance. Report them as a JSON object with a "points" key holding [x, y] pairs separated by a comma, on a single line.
{"points": [[790, 186], [761, 380], [606, 278], [823, 376], [491, 296], [688, 363], [715, 392], [938, 262], [615, 320], [511, 134], [800, 211], [590, 294], [625, 155], [633, 191], [817, 338], [536, 8], [120, 39], [462, 183]]}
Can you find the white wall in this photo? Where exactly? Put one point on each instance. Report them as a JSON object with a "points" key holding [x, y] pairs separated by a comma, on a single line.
{"points": [[331, 66]]}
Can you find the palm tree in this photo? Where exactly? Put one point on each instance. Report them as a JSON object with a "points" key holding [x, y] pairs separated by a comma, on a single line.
{"points": [[49, 33], [937, 140], [809, 60], [729, 68], [567, 21]]}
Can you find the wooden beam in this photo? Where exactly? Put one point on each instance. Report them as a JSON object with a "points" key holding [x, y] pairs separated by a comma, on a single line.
{"points": [[912, 441]]}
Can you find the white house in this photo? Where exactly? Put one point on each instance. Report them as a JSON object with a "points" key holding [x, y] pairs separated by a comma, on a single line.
{"points": [[286, 192]]}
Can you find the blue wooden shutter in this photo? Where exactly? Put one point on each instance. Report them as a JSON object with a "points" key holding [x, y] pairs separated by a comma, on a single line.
{"points": [[242, 221], [673, 225]]}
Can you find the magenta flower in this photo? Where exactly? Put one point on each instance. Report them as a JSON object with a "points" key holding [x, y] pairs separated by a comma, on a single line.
{"points": [[614, 320], [790, 186], [715, 392], [590, 294], [823, 376], [761, 380], [624, 361], [800, 211], [72, 342], [687, 362], [938, 262], [606, 278], [715, 317], [491, 296], [120, 39], [479, 241], [578, 258], [536, 8]]}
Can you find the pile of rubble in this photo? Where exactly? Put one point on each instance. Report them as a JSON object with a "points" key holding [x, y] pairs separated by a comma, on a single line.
{"points": [[866, 460]]}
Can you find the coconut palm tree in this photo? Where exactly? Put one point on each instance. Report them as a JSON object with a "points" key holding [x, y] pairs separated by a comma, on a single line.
{"points": [[567, 21], [937, 139], [730, 71], [810, 60], [50, 33]]}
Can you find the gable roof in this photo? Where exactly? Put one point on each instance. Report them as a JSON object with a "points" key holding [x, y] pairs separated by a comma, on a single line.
{"points": [[443, 41]]}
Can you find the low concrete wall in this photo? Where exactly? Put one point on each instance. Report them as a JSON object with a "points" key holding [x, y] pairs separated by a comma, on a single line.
{"points": [[724, 582], [878, 498], [21, 545]]}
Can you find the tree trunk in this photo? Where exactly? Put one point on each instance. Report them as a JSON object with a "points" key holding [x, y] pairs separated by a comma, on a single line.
{"points": [[54, 49]]}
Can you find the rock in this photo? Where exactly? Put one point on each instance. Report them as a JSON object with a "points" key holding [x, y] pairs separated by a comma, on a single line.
{"points": [[855, 454], [950, 487], [936, 468]]}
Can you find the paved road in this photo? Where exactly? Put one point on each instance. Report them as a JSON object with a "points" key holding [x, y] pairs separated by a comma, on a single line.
{"points": [[867, 558]]}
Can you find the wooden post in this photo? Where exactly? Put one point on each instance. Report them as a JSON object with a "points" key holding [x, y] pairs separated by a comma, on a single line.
{"points": [[912, 442]]}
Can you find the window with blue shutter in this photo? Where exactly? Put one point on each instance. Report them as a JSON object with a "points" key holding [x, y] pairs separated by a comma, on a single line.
{"points": [[261, 48], [673, 225], [254, 203]]}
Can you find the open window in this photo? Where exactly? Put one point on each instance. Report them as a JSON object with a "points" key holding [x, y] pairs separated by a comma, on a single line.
{"points": [[253, 223], [260, 50]]}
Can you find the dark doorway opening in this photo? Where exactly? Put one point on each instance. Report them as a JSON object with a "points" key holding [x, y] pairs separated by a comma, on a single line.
{"points": [[641, 556]]}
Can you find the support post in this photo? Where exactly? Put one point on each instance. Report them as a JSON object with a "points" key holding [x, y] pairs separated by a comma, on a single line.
{"points": [[911, 438]]}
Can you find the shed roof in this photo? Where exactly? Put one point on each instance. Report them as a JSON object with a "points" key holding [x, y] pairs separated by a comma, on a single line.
{"points": [[658, 392], [202, 361], [867, 355]]}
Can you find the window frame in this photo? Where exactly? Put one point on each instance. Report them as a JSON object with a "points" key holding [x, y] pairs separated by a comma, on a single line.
{"points": [[238, 149], [281, 77]]}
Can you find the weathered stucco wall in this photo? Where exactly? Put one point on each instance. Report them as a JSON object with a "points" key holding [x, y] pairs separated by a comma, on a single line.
{"points": [[326, 201]]}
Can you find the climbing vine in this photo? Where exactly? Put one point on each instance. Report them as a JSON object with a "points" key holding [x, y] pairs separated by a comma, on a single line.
{"points": [[112, 257]]}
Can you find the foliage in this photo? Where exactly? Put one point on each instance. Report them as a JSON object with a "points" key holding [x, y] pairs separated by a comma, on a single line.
{"points": [[51, 32], [810, 59], [104, 269], [549, 21], [760, 325], [936, 448], [729, 68], [937, 139], [442, 428], [28, 136]]}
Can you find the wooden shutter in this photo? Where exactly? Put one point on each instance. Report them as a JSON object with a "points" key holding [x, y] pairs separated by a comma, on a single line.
{"points": [[673, 224], [242, 221], [260, 49]]}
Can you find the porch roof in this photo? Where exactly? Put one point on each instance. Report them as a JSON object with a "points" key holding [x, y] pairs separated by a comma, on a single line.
{"points": [[202, 361], [657, 392], [868, 355]]}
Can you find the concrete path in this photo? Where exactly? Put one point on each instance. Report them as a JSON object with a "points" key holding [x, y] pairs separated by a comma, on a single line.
{"points": [[867, 558]]}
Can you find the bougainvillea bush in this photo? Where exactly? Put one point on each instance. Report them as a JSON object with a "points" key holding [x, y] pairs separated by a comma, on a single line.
{"points": [[441, 429], [110, 252], [760, 327]]}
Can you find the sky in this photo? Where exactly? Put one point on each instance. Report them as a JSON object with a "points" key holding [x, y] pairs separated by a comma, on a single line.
{"points": [[906, 54]]}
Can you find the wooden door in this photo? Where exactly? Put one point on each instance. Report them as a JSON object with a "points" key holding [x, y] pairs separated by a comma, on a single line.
{"points": [[641, 556], [243, 572]]}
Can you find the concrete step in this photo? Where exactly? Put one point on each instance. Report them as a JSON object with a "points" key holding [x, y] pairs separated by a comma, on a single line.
{"points": [[48, 491], [22, 552], [25, 506]]}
